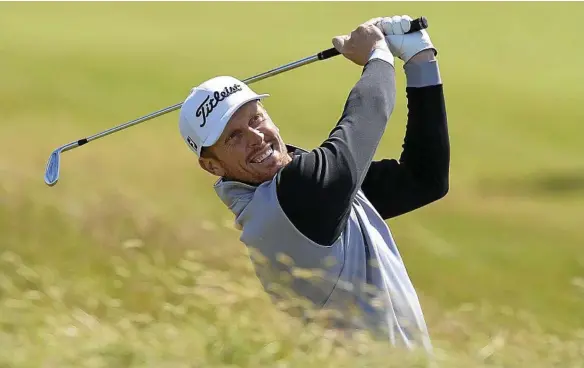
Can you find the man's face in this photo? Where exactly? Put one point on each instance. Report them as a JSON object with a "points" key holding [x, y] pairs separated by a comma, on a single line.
{"points": [[250, 148]]}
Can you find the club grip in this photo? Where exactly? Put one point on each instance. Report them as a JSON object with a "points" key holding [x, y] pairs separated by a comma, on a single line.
{"points": [[415, 25], [418, 24]]}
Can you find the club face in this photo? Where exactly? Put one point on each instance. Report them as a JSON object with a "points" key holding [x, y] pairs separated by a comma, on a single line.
{"points": [[52, 171]]}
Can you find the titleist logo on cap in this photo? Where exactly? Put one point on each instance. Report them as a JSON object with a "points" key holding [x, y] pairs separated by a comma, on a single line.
{"points": [[208, 105]]}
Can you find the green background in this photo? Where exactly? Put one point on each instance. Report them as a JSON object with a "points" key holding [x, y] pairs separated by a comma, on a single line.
{"points": [[506, 243]]}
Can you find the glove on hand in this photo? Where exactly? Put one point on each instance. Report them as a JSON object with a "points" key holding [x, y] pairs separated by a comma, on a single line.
{"points": [[404, 46]]}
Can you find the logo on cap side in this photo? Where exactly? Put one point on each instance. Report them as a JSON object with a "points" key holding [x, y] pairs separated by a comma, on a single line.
{"points": [[191, 143], [209, 104]]}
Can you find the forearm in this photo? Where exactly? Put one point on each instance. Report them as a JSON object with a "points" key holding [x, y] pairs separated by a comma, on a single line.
{"points": [[363, 122], [426, 145]]}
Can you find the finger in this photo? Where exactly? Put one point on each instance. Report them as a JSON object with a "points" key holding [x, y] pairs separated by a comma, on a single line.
{"points": [[373, 21], [386, 26], [396, 25], [405, 23], [339, 42]]}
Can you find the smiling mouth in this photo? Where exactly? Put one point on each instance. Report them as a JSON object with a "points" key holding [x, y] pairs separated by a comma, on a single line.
{"points": [[263, 156]]}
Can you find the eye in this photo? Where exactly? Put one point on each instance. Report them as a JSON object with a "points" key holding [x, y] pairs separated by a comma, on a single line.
{"points": [[256, 119], [231, 136]]}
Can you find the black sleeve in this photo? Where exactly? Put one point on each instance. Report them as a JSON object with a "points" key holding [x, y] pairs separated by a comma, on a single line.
{"points": [[421, 175], [316, 189]]}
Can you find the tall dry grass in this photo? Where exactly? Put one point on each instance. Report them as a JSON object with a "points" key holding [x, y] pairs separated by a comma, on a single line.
{"points": [[139, 296]]}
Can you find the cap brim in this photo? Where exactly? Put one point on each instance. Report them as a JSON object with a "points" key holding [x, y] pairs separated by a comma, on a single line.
{"points": [[214, 135]]}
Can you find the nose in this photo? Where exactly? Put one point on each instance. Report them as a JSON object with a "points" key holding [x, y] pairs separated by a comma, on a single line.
{"points": [[255, 137]]}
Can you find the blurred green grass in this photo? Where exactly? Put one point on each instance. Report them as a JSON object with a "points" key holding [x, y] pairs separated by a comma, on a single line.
{"points": [[508, 237]]}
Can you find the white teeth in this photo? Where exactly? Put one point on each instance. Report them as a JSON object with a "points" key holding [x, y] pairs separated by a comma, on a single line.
{"points": [[261, 158]]}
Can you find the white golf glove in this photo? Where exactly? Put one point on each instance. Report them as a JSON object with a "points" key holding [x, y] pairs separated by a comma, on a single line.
{"points": [[404, 46]]}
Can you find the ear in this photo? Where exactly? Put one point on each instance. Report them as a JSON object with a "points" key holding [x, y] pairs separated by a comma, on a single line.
{"points": [[212, 165]]}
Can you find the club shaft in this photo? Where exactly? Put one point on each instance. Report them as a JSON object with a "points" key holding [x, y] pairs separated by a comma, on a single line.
{"points": [[281, 69], [256, 78], [130, 123], [53, 164]]}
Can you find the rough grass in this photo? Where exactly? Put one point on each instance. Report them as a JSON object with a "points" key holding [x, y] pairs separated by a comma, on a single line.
{"points": [[131, 260], [131, 304]]}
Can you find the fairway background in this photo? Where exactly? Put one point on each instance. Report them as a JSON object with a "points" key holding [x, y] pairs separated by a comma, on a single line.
{"points": [[509, 236]]}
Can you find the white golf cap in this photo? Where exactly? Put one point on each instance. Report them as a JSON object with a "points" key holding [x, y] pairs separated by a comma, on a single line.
{"points": [[208, 108]]}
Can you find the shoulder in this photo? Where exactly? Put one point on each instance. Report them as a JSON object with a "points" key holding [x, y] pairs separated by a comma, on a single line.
{"points": [[265, 224]]}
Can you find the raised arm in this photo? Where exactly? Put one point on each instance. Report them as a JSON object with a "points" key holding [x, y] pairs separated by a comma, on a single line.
{"points": [[421, 176], [316, 189]]}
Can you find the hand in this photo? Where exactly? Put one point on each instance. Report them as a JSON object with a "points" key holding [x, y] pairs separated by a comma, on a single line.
{"points": [[359, 45], [402, 45]]}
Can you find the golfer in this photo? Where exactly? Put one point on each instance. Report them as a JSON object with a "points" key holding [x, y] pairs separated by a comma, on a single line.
{"points": [[323, 210]]}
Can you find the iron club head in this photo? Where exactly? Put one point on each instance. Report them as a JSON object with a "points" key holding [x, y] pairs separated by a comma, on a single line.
{"points": [[53, 166], [54, 163]]}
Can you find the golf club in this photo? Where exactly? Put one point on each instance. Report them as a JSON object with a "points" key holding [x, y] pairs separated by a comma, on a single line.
{"points": [[54, 163]]}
